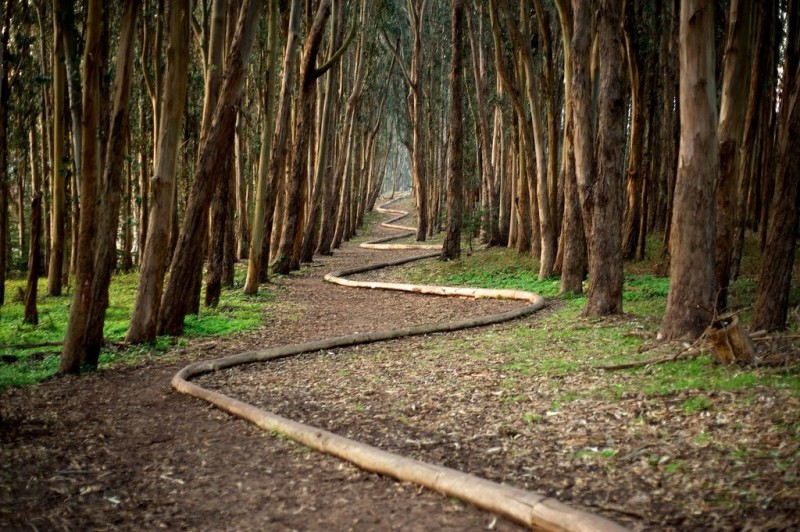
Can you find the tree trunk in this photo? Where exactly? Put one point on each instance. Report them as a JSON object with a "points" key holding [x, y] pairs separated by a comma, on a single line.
{"points": [[264, 192], [451, 249], [297, 184], [73, 353], [573, 239], [34, 247], [211, 163], [324, 141], [154, 260], [731, 118], [243, 229], [635, 173], [691, 294], [58, 201], [774, 280]]}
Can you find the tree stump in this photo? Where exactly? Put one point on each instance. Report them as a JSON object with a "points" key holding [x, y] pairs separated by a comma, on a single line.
{"points": [[730, 342]]}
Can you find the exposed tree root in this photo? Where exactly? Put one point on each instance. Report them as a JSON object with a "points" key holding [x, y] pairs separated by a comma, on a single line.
{"points": [[527, 508]]}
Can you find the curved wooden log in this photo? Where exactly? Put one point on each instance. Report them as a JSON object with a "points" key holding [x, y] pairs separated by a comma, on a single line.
{"points": [[527, 508]]}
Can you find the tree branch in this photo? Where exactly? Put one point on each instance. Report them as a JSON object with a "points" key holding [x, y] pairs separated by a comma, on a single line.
{"points": [[397, 56], [335, 57]]}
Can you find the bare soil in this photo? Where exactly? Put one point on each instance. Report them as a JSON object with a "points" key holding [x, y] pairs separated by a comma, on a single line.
{"points": [[120, 450]]}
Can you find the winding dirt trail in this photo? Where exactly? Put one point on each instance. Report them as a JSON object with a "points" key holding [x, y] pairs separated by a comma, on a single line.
{"points": [[526, 508], [120, 450]]}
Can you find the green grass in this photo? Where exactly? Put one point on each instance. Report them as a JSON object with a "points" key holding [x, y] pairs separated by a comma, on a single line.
{"points": [[562, 343], [236, 312]]}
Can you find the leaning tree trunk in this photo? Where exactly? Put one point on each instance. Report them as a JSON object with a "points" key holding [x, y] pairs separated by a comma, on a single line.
{"points": [[692, 283], [144, 319], [297, 184], [213, 156], [451, 249]]}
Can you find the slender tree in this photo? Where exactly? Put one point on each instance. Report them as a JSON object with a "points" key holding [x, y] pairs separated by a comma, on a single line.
{"points": [[263, 201], [451, 249]]}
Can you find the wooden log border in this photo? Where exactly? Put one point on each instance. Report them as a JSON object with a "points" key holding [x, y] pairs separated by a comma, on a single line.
{"points": [[524, 507]]}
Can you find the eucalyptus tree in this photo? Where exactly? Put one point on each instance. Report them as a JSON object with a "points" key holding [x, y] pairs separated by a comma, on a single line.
{"points": [[154, 259], [774, 281], [692, 283], [214, 151], [264, 202], [451, 249]]}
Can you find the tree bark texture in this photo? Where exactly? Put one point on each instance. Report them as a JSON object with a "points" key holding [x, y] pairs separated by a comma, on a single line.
{"points": [[73, 353], [774, 280], [690, 300], [451, 248], [144, 319]]}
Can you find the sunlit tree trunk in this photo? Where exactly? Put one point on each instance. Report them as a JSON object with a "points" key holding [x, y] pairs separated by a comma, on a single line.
{"points": [[154, 260], [57, 194]]}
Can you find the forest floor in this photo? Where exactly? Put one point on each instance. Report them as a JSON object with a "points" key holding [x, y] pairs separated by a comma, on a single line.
{"points": [[119, 449]]}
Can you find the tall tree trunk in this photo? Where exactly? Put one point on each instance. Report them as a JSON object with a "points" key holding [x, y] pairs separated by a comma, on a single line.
{"points": [[748, 146], [297, 184], [264, 205], [774, 280], [545, 248], [154, 260], [573, 239], [692, 283], [605, 258], [58, 199], [34, 247], [243, 229], [635, 174], [73, 353], [324, 141], [451, 249], [731, 121], [489, 217], [211, 163]]}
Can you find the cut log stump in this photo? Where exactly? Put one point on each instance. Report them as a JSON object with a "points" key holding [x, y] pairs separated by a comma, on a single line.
{"points": [[730, 342]]}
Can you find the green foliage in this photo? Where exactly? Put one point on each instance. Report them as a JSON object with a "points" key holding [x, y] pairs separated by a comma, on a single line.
{"points": [[20, 367]]}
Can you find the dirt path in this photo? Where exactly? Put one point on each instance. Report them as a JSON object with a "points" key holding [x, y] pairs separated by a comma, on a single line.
{"points": [[119, 449]]}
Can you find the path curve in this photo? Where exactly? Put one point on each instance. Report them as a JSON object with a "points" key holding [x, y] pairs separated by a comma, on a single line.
{"points": [[524, 507]]}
